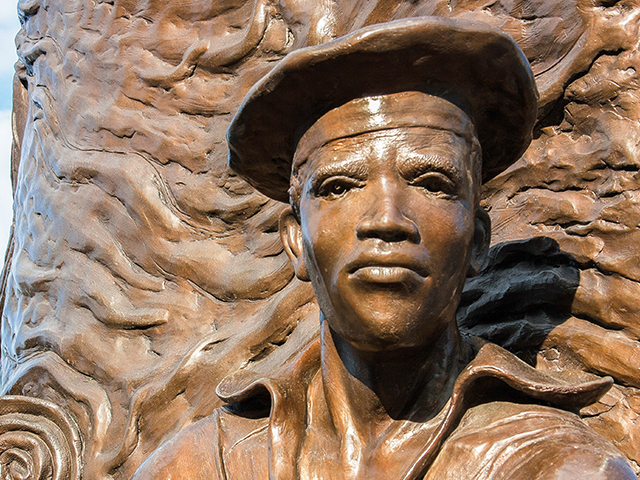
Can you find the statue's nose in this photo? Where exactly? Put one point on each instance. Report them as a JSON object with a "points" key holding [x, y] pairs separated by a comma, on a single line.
{"points": [[385, 219]]}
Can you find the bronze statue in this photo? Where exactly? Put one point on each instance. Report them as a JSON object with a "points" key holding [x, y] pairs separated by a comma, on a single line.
{"points": [[142, 270], [380, 142]]}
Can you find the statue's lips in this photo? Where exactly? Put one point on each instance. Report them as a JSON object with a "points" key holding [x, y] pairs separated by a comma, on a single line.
{"points": [[386, 275], [387, 269]]}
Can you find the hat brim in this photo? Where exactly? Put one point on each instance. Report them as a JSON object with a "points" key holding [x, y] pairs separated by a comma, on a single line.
{"points": [[465, 61]]}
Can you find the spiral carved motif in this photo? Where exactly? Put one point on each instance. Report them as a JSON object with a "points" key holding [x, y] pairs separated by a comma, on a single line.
{"points": [[38, 441]]}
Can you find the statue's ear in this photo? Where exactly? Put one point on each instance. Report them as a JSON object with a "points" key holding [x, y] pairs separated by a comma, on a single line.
{"points": [[481, 242], [291, 234]]}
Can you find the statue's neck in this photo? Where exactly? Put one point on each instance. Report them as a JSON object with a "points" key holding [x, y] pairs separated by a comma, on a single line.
{"points": [[368, 392]]}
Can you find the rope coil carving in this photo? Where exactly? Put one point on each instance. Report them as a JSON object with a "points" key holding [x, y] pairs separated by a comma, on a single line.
{"points": [[38, 441]]}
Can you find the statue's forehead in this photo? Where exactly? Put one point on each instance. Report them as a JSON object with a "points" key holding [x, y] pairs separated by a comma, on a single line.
{"points": [[385, 112]]}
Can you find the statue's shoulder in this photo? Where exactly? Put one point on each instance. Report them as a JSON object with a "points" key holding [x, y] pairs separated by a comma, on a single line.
{"points": [[511, 441], [206, 449]]}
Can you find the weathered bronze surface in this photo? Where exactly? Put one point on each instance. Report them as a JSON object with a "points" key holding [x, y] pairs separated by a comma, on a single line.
{"points": [[386, 162], [150, 310]]}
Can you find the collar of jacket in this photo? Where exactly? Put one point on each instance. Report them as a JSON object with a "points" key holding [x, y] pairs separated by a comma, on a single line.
{"points": [[287, 382]]}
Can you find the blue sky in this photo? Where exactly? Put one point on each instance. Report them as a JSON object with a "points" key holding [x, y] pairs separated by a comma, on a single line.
{"points": [[9, 26]]}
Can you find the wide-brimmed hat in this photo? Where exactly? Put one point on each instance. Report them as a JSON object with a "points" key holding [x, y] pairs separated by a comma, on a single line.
{"points": [[470, 63]]}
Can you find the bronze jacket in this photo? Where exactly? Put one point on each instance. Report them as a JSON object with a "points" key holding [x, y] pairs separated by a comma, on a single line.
{"points": [[478, 435]]}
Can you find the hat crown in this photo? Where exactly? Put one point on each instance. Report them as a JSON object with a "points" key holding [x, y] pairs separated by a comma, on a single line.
{"points": [[469, 63]]}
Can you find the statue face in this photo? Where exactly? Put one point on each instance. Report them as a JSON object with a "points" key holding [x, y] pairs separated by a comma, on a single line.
{"points": [[388, 225]]}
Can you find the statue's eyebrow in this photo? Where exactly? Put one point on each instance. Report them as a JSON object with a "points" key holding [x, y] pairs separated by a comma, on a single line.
{"points": [[416, 165], [356, 168]]}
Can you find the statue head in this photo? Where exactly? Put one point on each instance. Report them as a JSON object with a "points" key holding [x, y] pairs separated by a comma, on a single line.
{"points": [[381, 141]]}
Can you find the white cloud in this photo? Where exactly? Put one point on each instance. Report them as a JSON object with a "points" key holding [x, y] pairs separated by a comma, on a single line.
{"points": [[8, 11], [6, 200], [9, 26]]}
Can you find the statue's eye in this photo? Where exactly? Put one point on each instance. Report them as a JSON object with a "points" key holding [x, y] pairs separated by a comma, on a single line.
{"points": [[337, 186], [435, 182]]}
